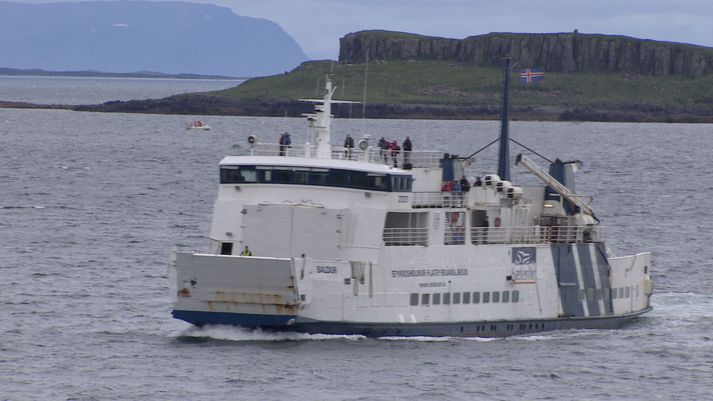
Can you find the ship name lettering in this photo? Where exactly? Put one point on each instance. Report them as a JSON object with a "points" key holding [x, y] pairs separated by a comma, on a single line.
{"points": [[429, 272], [327, 269]]}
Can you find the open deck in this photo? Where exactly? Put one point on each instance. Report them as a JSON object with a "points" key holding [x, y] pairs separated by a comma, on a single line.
{"points": [[416, 158]]}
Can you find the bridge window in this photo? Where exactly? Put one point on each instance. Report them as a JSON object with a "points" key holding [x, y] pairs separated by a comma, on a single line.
{"points": [[315, 176]]}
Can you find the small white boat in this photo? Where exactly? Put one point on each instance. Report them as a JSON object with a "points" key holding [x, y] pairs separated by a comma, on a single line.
{"points": [[198, 124]]}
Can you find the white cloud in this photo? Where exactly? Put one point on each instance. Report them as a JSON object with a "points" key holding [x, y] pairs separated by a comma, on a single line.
{"points": [[120, 25]]}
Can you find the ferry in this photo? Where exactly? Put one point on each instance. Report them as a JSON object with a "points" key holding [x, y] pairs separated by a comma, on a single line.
{"points": [[318, 238]]}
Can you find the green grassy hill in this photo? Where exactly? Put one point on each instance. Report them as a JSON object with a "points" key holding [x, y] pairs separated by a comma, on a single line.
{"points": [[447, 86], [446, 89]]}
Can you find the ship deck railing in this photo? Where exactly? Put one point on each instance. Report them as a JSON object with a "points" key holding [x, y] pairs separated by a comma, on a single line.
{"points": [[415, 159], [405, 236], [536, 235], [439, 199], [394, 236]]}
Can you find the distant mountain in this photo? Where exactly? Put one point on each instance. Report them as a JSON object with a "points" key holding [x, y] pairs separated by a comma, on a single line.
{"points": [[131, 36]]}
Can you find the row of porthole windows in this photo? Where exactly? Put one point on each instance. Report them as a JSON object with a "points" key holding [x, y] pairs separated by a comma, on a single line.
{"points": [[510, 327], [476, 297], [597, 294]]}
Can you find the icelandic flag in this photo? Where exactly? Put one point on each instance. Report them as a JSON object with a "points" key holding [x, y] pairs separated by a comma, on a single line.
{"points": [[530, 75]]}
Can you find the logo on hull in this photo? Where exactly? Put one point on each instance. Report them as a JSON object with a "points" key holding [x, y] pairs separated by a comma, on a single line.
{"points": [[524, 262]]}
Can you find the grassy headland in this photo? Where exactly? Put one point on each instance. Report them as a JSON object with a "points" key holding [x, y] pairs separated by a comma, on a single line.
{"points": [[445, 89]]}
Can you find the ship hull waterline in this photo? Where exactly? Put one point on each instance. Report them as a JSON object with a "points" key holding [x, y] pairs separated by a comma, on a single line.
{"points": [[500, 328]]}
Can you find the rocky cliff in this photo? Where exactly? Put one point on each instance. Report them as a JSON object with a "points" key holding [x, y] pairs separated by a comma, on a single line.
{"points": [[557, 52]]}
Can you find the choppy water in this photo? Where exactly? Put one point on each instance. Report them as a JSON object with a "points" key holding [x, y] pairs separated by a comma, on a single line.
{"points": [[91, 205]]}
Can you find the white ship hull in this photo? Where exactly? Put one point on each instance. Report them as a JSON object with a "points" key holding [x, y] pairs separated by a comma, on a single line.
{"points": [[567, 286], [318, 239]]}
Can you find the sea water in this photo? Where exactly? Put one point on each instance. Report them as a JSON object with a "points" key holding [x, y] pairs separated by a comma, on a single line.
{"points": [[91, 204]]}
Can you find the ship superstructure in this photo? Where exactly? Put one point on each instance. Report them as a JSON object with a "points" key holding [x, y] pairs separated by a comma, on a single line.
{"points": [[322, 239]]}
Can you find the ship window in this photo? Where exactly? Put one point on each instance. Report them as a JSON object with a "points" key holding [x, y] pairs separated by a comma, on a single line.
{"points": [[496, 297], [315, 176], [318, 178], [486, 297], [377, 182], [425, 299], [338, 178], [248, 175], [456, 297], [283, 176], [628, 292], [226, 248], [359, 180], [414, 299], [466, 297], [476, 297], [614, 292], [302, 177], [230, 174], [446, 298], [506, 297], [436, 299], [621, 292], [401, 183], [515, 296]]}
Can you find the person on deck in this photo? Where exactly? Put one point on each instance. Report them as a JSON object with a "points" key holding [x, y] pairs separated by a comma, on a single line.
{"points": [[407, 152], [285, 142], [384, 149], [348, 145], [395, 149], [246, 252], [464, 184]]}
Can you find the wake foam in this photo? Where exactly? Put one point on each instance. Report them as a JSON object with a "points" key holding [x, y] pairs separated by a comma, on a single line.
{"points": [[234, 333]]}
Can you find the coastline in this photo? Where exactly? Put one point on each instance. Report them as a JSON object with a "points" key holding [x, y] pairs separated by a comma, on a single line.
{"points": [[201, 104]]}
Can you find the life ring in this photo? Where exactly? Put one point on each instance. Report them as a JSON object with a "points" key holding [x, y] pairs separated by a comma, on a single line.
{"points": [[497, 222]]}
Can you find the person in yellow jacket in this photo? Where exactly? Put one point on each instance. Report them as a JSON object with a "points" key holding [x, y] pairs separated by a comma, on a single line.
{"points": [[246, 252]]}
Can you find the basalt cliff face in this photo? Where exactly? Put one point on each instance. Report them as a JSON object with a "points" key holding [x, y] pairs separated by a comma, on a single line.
{"points": [[555, 52]]}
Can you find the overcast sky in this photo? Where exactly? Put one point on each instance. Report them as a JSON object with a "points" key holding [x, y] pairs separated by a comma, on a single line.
{"points": [[317, 25]]}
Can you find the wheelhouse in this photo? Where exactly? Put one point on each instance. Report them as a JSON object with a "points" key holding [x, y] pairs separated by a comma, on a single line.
{"points": [[316, 176]]}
